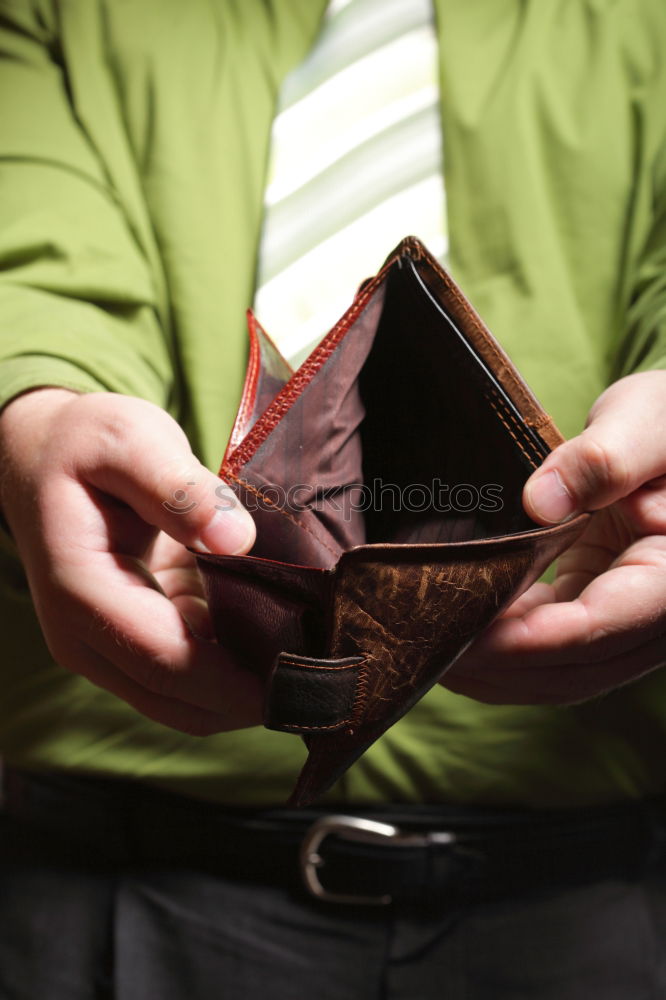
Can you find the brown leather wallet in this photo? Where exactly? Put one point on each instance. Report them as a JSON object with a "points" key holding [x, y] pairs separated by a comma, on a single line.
{"points": [[385, 479]]}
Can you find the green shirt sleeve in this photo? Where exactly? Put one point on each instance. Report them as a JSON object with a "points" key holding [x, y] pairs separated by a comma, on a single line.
{"points": [[644, 348], [77, 297]]}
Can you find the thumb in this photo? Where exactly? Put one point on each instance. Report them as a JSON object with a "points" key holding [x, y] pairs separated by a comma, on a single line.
{"points": [[148, 463], [620, 449]]}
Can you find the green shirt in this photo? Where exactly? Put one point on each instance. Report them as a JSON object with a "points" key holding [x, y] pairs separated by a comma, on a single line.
{"points": [[133, 143]]}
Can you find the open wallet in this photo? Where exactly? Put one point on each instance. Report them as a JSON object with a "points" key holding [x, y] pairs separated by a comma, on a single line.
{"points": [[384, 476]]}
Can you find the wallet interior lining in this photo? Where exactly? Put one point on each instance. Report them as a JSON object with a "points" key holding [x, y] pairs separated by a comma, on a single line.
{"points": [[400, 437], [454, 436]]}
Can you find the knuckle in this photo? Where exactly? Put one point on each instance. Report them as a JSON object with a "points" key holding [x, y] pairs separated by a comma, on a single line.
{"points": [[179, 485], [601, 465], [116, 439], [92, 434], [117, 426]]}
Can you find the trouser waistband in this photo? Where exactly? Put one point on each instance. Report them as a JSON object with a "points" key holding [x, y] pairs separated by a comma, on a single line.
{"points": [[426, 854]]}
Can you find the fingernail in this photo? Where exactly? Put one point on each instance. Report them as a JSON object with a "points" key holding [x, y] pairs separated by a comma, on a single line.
{"points": [[230, 530], [550, 499]]}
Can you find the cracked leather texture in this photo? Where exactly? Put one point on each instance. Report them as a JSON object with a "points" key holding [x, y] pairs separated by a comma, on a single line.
{"points": [[353, 603]]}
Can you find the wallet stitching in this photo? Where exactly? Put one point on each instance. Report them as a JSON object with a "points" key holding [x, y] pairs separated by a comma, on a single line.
{"points": [[544, 420], [302, 378], [360, 695], [363, 683], [249, 395], [318, 666], [316, 729], [529, 457], [517, 427], [247, 404], [360, 698], [252, 489], [362, 691]]}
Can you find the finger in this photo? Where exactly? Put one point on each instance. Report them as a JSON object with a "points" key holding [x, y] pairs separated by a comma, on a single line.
{"points": [[167, 711], [184, 589], [538, 593], [592, 554], [141, 632], [615, 613], [196, 614], [166, 553], [645, 508], [141, 456], [174, 569], [565, 684], [179, 582], [616, 454]]}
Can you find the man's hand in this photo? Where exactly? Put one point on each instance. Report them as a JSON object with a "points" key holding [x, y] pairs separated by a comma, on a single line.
{"points": [[603, 622], [102, 494]]}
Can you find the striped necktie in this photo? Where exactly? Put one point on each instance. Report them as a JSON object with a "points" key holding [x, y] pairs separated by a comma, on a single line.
{"points": [[355, 165]]}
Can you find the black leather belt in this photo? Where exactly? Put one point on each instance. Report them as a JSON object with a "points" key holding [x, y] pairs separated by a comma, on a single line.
{"points": [[371, 856]]}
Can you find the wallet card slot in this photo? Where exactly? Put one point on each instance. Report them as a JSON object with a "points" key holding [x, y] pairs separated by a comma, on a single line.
{"points": [[540, 449], [515, 429], [436, 422]]}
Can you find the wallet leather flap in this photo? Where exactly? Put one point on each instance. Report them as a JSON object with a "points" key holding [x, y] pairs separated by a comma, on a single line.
{"points": [[261, 608], [267, 372], [408, 615]]}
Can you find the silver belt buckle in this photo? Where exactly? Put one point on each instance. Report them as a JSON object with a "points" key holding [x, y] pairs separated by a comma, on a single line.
{"points": [[359, 829]]}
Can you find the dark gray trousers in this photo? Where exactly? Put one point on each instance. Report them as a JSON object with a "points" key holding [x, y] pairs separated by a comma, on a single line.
{"points": [[68, 934]]}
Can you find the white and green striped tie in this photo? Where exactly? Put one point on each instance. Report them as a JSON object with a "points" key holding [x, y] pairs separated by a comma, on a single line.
{"points": [[356, 164]]}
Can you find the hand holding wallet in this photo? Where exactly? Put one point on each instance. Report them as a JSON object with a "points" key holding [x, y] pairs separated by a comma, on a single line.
{"points": [[385, 479]]}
